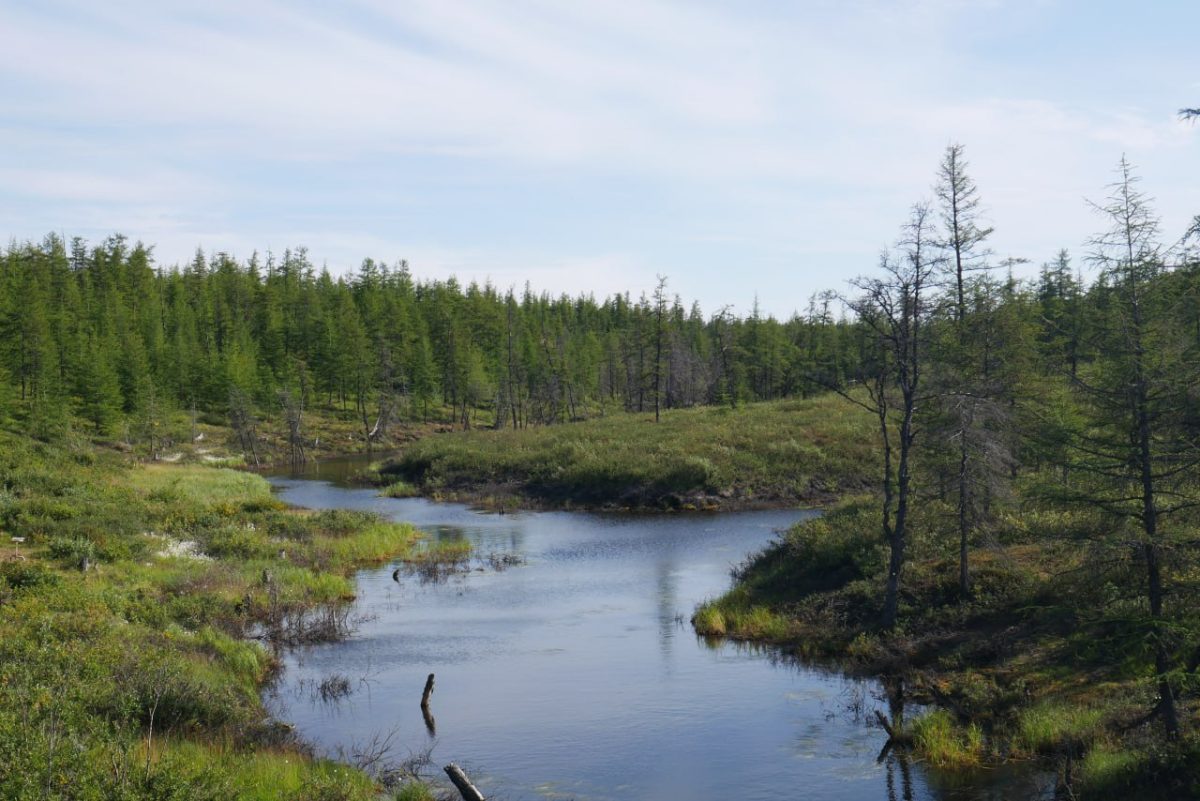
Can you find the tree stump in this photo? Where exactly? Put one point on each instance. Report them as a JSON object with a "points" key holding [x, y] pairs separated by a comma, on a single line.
{"points": [[468, 791]]}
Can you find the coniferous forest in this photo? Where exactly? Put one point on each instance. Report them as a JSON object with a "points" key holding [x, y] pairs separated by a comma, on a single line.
{"points": [[102, 333]]}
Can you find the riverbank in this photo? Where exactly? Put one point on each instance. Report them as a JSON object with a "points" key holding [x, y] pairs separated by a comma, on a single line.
{"points": [[1046, 660], [762, 455], [141, 609]]}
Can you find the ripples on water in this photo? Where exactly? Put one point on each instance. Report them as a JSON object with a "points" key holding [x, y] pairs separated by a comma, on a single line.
{"points": [[575, 674]]}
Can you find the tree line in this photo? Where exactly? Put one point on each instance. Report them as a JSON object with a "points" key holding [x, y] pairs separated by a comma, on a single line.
{"points": [[104, 335]]}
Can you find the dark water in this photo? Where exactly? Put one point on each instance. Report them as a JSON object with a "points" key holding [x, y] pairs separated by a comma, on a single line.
{"points": [[577, 675]]}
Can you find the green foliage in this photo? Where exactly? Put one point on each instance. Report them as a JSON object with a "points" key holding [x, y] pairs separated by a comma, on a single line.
{"points": [[27, 576]]}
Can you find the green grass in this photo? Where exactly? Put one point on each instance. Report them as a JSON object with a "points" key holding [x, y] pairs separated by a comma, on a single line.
{"points": [[413, 791], [440, 552], [134, 679], [939, 740], [785, 452], [200, 486], [732, 616], [1053, 726], [400, 489], [267, 774]]}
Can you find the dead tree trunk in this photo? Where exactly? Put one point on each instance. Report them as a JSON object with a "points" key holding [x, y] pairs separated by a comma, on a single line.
{"points": [[430, 723], [468, 791], [294, 410]]}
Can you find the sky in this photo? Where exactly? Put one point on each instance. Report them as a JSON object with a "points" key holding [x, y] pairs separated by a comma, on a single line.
{"points": [[746, 150]]}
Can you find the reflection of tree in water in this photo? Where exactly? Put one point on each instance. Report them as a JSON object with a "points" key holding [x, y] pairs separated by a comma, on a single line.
{"points": [[897, 763], [667, 596], [894, 755]]}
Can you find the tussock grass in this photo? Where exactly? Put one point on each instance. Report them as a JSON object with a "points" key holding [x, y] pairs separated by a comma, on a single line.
{"points": [[412, 791], [400, 489], [267, 774], [1054, 726], [943, 743], [440, 552], [732, 615]]}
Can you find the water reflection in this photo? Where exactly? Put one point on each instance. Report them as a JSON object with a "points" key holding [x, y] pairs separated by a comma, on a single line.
{"points": [[668, 613], [898, 763], [566, 674]]}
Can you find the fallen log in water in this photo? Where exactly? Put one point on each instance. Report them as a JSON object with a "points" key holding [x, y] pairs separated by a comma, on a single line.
{"points": [[468, 791]]}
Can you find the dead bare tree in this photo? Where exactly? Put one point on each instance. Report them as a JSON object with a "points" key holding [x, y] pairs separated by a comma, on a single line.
{"points": [[293, 409], [241, 418], [893, 309]]}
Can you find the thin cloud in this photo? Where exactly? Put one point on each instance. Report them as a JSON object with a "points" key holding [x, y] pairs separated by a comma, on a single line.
{"points": [[548, 135]]}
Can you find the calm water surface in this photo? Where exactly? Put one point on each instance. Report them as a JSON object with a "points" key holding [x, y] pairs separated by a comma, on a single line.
{"points": [[577, 675]]}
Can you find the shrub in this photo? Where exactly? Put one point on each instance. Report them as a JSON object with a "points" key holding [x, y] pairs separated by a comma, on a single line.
{"points": [[28, 575], [72, 549]]}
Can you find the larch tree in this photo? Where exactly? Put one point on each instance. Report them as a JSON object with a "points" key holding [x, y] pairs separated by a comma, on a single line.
{"points": [[894, 309], [1135, 454], [660, 334], [968, 388]]}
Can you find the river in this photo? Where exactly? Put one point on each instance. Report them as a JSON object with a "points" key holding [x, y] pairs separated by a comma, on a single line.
{"points": [[575, 673]]}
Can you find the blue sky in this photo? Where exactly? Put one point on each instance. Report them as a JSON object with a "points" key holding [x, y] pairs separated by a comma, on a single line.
{"points": [[743, 149]]}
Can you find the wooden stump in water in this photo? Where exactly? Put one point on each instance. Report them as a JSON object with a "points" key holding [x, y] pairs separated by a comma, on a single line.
{"points": [[430, 724], [468, 791]]}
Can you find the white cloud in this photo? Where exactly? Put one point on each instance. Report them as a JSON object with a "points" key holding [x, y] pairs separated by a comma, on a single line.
{"points": [[798, 132]]}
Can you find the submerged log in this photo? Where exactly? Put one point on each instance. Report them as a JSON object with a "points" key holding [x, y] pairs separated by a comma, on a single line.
{"points": [[468, 791]]}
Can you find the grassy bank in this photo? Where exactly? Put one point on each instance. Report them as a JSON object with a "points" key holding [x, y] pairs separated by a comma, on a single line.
{"points": [[1050, 658], [779, 453], [140, 606], [208, 439]]}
